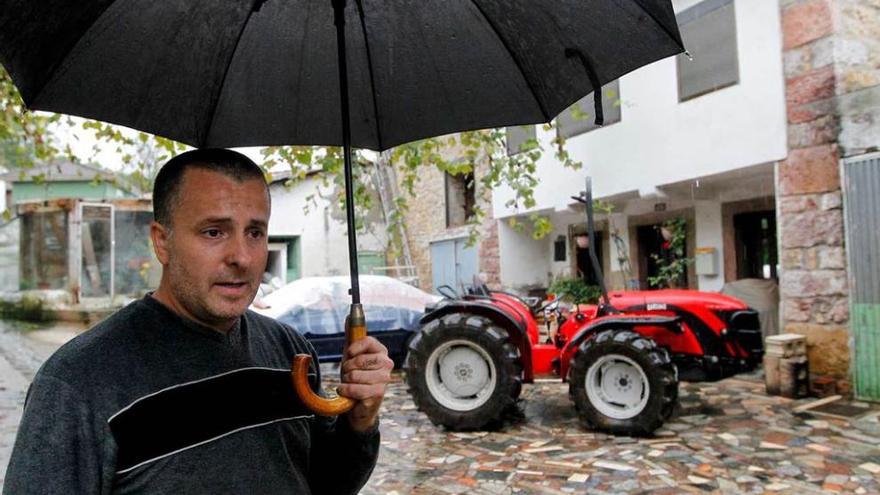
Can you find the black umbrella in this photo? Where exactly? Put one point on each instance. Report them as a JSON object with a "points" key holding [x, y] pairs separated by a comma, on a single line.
{"points": [[273, 72]]}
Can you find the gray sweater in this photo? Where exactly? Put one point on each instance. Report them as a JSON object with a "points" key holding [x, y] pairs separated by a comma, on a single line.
{"points": [[148, 402]]}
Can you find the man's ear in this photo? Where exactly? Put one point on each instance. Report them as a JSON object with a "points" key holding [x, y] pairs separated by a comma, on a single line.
{"points": [[160, 237]]}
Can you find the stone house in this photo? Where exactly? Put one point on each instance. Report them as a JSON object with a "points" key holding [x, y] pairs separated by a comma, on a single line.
{"points": [[748, 142], [438, 233]]}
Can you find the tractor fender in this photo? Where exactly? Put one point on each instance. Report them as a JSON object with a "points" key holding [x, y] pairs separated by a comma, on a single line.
{"points": [[516, 330], [617, 322]]}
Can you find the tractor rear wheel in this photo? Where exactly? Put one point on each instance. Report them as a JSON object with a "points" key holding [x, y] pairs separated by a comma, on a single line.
{"points": [[623, 383], [463, 372]]}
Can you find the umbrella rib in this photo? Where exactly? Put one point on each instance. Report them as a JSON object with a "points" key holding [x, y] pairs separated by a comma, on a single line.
{"points": [[210, 123], [657, 21], [360, 7], [544, 112]]}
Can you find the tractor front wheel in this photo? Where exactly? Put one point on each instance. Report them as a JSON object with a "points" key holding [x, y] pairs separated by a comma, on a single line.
{"points": [[463, 372], [623, 383]]}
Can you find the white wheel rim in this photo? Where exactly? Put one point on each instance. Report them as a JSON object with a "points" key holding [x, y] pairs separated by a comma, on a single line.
{"points": [[460, 375], [617, 386]]}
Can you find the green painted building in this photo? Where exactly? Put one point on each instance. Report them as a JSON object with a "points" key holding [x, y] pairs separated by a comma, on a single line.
{"points": [[63, 180]]}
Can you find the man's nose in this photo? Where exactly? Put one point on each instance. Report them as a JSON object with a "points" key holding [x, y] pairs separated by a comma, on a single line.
{"points": [[239, 251]]}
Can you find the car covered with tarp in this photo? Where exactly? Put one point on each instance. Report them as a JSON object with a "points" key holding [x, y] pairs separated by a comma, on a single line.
{"points": [[316, 307]]}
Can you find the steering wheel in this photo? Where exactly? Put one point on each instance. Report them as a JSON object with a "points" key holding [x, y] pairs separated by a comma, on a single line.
{"points": [[551, 307], [447, 292]]}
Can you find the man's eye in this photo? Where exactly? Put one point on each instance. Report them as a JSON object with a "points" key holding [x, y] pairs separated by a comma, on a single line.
{"points": [[257, 234], [212, 233]]}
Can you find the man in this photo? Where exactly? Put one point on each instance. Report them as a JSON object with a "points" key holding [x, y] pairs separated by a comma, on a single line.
{"points": [[186, 391]]}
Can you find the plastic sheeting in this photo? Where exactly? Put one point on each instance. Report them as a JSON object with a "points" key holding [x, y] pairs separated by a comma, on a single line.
{"points": [[319, 305], [762, 296]]}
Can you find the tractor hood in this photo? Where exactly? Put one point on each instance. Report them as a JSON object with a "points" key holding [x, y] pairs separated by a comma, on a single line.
{"points": [[674, 297]]}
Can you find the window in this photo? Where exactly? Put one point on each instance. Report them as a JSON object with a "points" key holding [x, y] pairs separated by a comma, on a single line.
{"points": [[559, 249], [709, 33], [755, 237], [520, 139], [460, 199], [44, 252], [581, 118]]}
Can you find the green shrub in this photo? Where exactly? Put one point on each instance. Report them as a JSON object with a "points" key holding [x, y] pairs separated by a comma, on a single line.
{"points": [[575, 290]]}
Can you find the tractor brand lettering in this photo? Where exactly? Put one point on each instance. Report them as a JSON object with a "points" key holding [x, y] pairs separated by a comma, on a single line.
{"points": [[656, 307]]}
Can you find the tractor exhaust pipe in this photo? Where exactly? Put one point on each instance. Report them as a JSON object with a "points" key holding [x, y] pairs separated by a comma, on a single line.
{"points": [[587, 200]]}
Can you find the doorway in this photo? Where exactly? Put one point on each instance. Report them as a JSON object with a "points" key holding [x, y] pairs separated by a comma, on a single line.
{"points": [[284, 258], [582, 258], [96, 260], [652, 246]]}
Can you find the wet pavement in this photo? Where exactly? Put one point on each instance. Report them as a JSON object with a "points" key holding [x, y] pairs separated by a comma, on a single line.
{"points": [[728, 437]]}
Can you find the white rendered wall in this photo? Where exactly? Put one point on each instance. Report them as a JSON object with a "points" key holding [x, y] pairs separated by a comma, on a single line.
{"points": [[323, 239], [660, 141], [524, 260], [709, 235]]}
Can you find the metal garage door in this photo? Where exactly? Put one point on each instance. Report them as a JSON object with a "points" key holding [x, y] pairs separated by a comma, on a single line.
{"points": [[861, 177], [453, 263]]}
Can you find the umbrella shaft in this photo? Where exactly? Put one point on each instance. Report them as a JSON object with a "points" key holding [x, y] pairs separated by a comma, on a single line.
{"points": [[339, 20]]}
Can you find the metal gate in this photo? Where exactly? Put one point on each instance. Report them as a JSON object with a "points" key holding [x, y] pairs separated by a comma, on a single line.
{"points": [[861, 187], [453, 263]]}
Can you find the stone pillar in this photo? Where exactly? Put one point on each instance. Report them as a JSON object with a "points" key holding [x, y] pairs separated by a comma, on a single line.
{"points": [[813, 277], [490, 255], [708, 220]]}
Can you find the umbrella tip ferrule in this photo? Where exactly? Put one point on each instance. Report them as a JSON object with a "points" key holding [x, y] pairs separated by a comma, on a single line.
{"points": [[356, 315], [688, 55]]}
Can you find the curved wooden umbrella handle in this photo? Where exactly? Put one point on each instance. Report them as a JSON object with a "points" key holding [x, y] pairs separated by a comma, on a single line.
{"points": [[355, 329]]}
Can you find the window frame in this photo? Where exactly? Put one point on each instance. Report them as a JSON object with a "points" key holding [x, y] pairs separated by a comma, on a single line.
{"points": [[612, 110], [694, 14], [529, 131]]}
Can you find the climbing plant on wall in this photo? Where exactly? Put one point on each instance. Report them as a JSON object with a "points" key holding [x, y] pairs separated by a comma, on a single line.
{"points": [[672, 261]]}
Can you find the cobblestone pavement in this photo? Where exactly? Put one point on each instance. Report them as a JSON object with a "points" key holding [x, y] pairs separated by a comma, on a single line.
{"points": [[728, 437]]}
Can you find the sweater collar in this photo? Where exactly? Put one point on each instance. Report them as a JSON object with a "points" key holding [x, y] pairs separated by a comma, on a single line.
{"points": [[233, 335]]}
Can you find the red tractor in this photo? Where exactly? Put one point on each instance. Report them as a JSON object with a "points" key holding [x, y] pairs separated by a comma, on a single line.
{"points": [[622, 358]]}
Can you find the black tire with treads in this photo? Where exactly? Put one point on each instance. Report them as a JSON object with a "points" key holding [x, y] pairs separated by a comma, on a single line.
{"points": [[654, 362], [476, 331]]}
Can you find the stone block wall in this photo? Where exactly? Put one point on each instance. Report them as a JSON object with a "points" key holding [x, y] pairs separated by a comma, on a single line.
{"points": [[831, 59], [426, 222], [424, 219]]}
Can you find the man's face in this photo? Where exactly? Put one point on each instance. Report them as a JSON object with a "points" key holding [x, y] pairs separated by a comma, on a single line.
{"points": [[215, 253]]}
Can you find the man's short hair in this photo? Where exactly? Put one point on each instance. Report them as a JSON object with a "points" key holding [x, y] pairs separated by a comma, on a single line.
{"points": [[166, 188]]}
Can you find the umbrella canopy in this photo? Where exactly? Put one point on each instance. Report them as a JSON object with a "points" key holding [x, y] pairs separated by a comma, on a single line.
{"points": [[264, 72], [367, 73]]}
